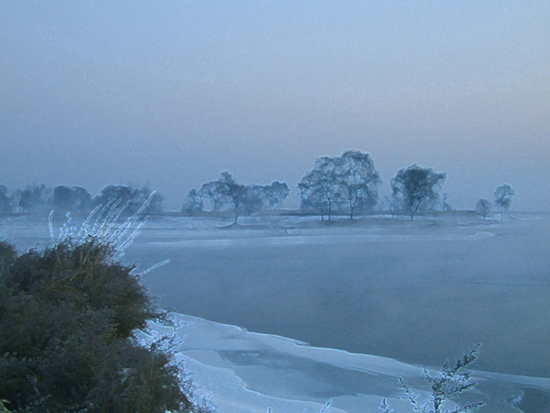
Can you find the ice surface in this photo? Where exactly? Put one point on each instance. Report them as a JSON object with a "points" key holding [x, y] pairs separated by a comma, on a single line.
{"points": [[240, 372]]}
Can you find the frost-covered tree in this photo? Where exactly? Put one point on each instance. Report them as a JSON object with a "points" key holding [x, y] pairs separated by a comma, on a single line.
{"points": [[483, 206], [275, 193], [503, 197], [194, 202], [211, 192], [34, 199], [416, 186], [347, 181], [226, 193], [359, 180], [452, 380], [234, 193], [320, 188]]}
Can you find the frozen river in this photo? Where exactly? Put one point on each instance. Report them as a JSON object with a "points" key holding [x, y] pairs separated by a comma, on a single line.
{"points": [[417, 292]]}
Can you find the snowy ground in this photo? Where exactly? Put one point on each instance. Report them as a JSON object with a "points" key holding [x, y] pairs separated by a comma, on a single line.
{"points": [[381, 289]]}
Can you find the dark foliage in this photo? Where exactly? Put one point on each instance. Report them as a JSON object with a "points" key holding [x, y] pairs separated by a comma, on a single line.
{"points": [[76, 200], [66, 319], [415, 187], [132, 198], [227, 193]]}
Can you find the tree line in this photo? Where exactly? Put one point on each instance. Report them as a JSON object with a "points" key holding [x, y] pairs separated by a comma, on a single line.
{"points": [[346, 183], [225, 193], [41, 199]]}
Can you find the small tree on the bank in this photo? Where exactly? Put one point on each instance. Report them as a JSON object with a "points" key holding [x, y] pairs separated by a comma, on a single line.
{"points": [[416, 187], [453, 379], [483, 206], [503, 198]]}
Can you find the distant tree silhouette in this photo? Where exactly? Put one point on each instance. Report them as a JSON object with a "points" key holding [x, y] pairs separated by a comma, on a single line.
{"points": [[274, 194], [234, 193], [5, 201], [503, 198], [212, 193], [76, 200], [194, 202], [483, 206], [446, 206], [320, 188], [359, 180], [416, 186], [134, 198], [226, 193], [34, 199], [347, 181]]}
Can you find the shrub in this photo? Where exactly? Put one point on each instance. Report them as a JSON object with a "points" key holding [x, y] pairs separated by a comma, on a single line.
{"points": [[67, 313]]}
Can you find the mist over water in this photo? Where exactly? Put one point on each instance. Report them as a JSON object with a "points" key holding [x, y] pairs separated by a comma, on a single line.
{"points": [[416, 292]]}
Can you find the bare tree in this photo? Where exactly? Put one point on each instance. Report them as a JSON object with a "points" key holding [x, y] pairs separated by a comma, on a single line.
{"points": [[320, 188], [483, 206], [211, 191], [275, 194], [194, 202], [350, 179], [416, 186], [359, 180], [235, 193], [34, 199], [503, 197], [226, 192], [453, 379]]}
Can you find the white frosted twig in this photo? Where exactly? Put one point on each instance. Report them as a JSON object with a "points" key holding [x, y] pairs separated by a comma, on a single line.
{"points": [[154, 267]]}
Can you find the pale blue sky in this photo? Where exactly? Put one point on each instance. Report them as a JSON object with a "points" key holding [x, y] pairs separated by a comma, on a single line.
{"points": [[173, 92]]}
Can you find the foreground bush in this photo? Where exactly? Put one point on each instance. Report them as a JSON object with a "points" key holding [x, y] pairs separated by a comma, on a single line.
{"points": [[67, 313]]}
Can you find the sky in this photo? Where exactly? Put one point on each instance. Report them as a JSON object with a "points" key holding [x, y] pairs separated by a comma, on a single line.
{"points": [[171, 93]]}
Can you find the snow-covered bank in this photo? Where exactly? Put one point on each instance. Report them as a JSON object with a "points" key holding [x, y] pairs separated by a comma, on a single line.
{"points": [[242, 372]]}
